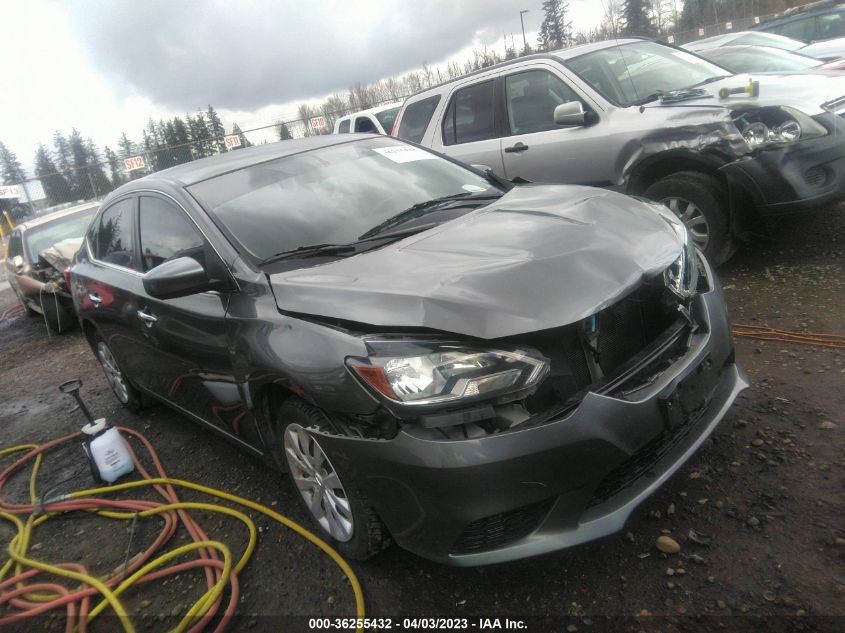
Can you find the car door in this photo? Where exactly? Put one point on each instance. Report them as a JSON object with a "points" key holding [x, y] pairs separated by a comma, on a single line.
{"points": [[470, 127], [537, 149], [181, 344]]}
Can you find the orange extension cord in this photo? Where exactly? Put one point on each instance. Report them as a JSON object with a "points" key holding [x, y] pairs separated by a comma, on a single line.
{"points": [[766, 333]]}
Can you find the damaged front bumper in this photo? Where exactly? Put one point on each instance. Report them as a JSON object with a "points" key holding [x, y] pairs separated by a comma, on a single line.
{"points": [[571, 479], [795, 177]]}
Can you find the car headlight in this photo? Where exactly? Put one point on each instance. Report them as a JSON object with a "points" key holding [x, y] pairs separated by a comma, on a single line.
{"points": [[429, 372], [681, 277], [776, 125]]}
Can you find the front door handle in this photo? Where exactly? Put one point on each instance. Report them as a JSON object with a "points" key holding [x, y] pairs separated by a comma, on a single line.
{"points": [[94, 298], [147, 318], [519, 147]]}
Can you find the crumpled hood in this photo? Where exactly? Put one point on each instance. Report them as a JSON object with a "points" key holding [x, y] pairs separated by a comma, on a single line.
{"points": [[804, 91], [60, 255], [541, 256]]}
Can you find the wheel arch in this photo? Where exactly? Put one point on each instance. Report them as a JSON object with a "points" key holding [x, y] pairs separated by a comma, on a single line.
{"points": [[653, 168]]}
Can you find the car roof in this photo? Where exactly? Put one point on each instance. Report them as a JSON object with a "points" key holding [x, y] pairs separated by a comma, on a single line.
{"points": [[29, 224], [562, 55], [196, 171], [812, 8], [374, 110]]}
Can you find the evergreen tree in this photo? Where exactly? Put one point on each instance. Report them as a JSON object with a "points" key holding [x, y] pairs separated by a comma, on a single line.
{"points": [[636, 19], [237, 130], [126, 147], [555, 31], [216, 129], [55, 186], [10, 167], [101, 183], [65, 163], [79, 166], [199, 136], [114, 166], [284, 132], [181, 140]]}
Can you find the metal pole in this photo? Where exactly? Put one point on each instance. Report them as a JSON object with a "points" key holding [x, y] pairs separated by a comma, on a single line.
{"points": [[522, 22], [26, 194]]}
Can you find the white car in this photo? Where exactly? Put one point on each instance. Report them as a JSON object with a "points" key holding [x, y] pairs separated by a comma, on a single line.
{"points": [[378, 120]]}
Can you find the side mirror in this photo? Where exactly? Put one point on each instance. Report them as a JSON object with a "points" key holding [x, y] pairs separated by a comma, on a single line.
{"points": [[570, 114], [178, 277], [17, 262]]}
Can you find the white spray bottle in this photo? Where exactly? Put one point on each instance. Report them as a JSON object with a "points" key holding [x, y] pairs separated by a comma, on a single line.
{"points": [[107, 451]]}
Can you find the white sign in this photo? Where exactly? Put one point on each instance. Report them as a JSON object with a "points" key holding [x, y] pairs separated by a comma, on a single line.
{"points": [[729, 25], [11, 191], [232, 141], [404, 153], [671, 39], [134, 162], [700, 32], [318, 122], [756, 20]]}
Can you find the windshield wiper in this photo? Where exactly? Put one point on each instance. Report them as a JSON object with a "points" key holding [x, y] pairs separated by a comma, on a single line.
{"points": [[307, 251], [421, 208]]}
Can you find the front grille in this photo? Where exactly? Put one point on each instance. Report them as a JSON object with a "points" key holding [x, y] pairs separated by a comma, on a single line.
{"points": [[629, 325], [501, 529]]}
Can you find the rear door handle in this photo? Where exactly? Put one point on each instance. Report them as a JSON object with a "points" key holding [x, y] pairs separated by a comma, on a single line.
{"points": [[519, 147], [95, 299], [147, 318]]}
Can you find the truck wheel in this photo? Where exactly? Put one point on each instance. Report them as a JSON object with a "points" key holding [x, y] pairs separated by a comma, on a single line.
{"points": [[340, 510], [700, 201]]}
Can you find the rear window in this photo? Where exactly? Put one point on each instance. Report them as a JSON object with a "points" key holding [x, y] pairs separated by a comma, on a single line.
{"points": [[113, 235], [416, 117], [67, 229], [387, 117], [344, 127]]}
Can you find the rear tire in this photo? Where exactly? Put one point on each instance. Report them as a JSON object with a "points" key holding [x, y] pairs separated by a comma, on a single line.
{"points": [[123, 389], [701, 202], [339, 509]]}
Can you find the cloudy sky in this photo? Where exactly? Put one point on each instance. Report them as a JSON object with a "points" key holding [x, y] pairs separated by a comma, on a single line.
{"points": [[105, 66]]}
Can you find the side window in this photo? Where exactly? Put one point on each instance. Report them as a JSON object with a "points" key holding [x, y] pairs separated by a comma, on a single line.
{"points": [[167, 233], [469, 116], [364, 124], [532, 97], [799, 29], [15, 244], [344, 127], [113, 239], [829, 26], [415, 119]]}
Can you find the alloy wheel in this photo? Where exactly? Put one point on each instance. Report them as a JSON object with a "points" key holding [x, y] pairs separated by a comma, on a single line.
{"points": [[692, 217], [112, 372], [318, 483]]}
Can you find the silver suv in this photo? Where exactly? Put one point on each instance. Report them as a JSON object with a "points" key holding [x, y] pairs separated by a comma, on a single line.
{"points": [[648, 119]]}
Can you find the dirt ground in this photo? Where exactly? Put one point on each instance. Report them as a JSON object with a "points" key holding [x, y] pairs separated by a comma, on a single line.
{"points": [[768, 491]]}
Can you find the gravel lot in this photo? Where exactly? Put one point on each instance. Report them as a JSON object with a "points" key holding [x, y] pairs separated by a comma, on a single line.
{"points": [[768, 490]]}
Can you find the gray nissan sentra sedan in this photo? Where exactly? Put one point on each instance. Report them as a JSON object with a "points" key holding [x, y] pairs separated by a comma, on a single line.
{"points": [[476, 370]]}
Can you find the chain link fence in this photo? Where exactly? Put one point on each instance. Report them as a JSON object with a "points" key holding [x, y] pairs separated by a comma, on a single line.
{"points": [[721, 28], [35, 197]]}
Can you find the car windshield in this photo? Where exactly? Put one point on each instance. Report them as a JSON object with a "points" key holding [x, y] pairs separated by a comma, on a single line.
{"points": [[387, 117], [629, 73], [68, 228], [336, 195], [754, 59]]}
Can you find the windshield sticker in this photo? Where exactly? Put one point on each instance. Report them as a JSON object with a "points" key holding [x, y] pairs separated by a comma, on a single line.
{"points": [[404, 153], [473, 188]]}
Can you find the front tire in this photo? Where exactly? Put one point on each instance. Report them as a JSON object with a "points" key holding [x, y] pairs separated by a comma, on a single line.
{"points": [[339, 509], [122, 388], [701, 202]]}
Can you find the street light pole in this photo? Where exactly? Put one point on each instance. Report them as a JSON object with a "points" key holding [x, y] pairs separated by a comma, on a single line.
{"points": [[522, 22]]}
